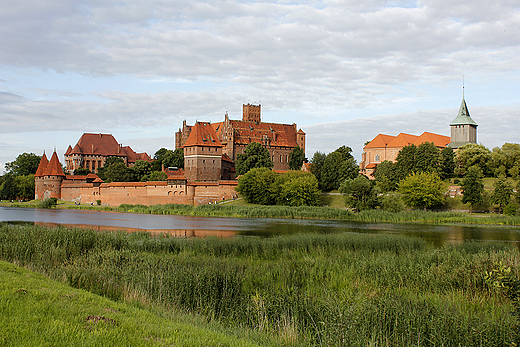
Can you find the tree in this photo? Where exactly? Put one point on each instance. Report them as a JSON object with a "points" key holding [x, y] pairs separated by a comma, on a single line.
{"points": [[254, 156], [427, 158], [156, 176], [8, 187], [385, 176], [24, 164], [502, 193], [422, 190], [472, 154], [405, 161], [296, 158], [473, 187], [360, 193], [301, 190], [317, 161], [24, 187], [447, 164], [118, 172], [174, 158], [142, 169], [255, 186], [338, 166], [80, 171]]}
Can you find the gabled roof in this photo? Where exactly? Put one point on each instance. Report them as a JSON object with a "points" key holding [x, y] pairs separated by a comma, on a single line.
{"points": [[226, 157], [54, 167], [380, 140], [402, 140], [68, 151], [203, 134], [105, 145], [43, 165], [436, 139], [463, 117], [283, 135]]}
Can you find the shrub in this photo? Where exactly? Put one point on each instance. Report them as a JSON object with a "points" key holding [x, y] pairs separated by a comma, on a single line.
{"points": [[48, 203], [98, 202], [392, 203], [511, 209]]}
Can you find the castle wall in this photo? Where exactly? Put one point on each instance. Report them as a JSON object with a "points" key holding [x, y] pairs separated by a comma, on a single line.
{"points": [[148, 193]]}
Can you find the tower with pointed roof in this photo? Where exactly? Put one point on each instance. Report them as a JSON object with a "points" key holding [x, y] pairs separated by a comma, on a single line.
{"points": [[463, 128], [202, 154], [39, 177], [48, 178]]}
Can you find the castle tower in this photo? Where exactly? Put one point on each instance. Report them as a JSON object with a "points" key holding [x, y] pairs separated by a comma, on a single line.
{"points": [[300, 139], [202, 154], [463, 128], [52, 179], [251, 113], [39, 177]]}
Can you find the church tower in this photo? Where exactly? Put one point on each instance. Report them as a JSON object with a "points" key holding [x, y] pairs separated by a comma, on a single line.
{"points": [[463, 128]]}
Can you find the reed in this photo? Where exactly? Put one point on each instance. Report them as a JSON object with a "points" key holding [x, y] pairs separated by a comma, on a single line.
{"points": [[334, 289]]}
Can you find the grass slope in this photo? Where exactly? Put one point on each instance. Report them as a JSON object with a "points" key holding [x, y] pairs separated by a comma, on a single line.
{"points": [[36, 311]]}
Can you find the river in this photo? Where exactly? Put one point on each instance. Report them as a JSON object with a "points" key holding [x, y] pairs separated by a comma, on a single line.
{"points": [[436, 234]]}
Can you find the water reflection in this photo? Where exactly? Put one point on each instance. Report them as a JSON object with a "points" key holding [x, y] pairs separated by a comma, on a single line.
{"points": [[187, 226]]}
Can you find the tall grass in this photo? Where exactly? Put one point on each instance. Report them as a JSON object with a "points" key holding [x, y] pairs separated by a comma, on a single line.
{"points": [[334, 289]]}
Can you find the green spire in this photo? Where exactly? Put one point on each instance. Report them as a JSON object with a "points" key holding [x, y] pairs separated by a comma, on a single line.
{"points": [[463, 118]]}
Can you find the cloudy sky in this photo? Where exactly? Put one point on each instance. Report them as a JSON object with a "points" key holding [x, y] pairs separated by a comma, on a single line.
{"points": [[344, 71]]}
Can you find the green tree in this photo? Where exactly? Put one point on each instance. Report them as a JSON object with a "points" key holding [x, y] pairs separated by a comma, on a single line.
{"points": [[118, 172], [473, 187], [8, 187], [80, 171], [174, 158], [472, 154], [255, 186], [502, 193], [422, 190], [385, 176], [24, 187], [360, 193], [405, 161], [254, 156], [301, 190], [142, 169], [316, 167], [296, 158], [24, 164], [338, 166], [447, 164], [156, 176], [427, 158]]}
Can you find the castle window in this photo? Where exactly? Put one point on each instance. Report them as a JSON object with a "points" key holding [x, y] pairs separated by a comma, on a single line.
{"points": [[377, 157]]}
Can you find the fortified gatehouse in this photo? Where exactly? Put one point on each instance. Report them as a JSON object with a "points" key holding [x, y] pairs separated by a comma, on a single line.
{"points": [[235, 135]]}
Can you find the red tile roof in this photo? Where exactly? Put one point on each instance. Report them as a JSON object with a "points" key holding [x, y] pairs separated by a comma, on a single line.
{"points": [[105, 145], [68, 151], [226, 157], [203, 134], [54, 167], [380, 140], [402, 140], [283, 135], [43, 165], [438, 140]]}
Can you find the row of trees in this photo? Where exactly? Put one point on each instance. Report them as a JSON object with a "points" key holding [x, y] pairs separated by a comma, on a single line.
{"points": [[18, 180]]}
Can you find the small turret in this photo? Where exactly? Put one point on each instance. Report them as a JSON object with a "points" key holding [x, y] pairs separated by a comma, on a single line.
{"points": [[463, 128]]}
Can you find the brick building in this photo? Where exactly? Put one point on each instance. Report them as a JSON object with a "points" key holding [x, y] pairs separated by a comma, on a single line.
{"points": [[386, 147], [235, 135], [92, 150]]}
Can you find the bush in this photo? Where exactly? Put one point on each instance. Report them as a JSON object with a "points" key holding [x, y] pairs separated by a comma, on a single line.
{"points": [[392, 203], [98, 202], [511, 209], [48, 203], [456, 181]]}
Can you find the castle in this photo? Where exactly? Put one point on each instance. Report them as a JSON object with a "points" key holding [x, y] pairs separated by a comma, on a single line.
{"points": [[235, 135], [209, 170], [386, 147]]}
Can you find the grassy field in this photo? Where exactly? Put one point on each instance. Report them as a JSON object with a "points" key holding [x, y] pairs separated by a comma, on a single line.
{"points": [[304, 290], [37, 311]]}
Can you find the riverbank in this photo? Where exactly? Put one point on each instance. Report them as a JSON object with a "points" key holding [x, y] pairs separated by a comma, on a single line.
{"points": [[306, 289], [244, 210]]}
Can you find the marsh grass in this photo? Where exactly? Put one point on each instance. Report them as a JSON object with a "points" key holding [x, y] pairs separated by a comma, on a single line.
{"points": [[334, 289]]}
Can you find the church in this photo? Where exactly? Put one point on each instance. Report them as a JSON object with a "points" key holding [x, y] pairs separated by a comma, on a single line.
{"points": [[386, 147]]}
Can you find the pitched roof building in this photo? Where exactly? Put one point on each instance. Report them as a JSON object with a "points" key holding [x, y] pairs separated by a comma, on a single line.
{"points": [[92, 150], [235, 135]]}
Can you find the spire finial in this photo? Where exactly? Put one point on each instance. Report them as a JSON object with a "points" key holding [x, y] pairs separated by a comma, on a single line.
{"points": [[463, 86]]}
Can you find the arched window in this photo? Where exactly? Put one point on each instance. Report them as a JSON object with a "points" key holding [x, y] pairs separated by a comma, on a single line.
{"points": [[378, 158]]}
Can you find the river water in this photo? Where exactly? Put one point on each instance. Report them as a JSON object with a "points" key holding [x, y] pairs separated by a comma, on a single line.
{"points": [[435, 234]]}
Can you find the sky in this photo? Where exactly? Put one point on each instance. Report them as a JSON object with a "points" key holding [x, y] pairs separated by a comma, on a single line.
{"points": [[344, 71]]}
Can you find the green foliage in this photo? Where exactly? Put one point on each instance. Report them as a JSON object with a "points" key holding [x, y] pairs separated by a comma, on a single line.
{"points": [[501, 193], [338, 166], [316, 168], [254, 156], [427, 158], [506, 160], [156, 176], [422, 190], [118, 172], [360, 193], [511, 209], [447, 163], [255, 185], [48, 203], [174, 159], [8, 188], [296, 158], [472, 154], [391, 202], [81, 171], [473, 187], [301, 190], [17, 187], [385, 176], [405, 161], [141, 170], [24, 164]]}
